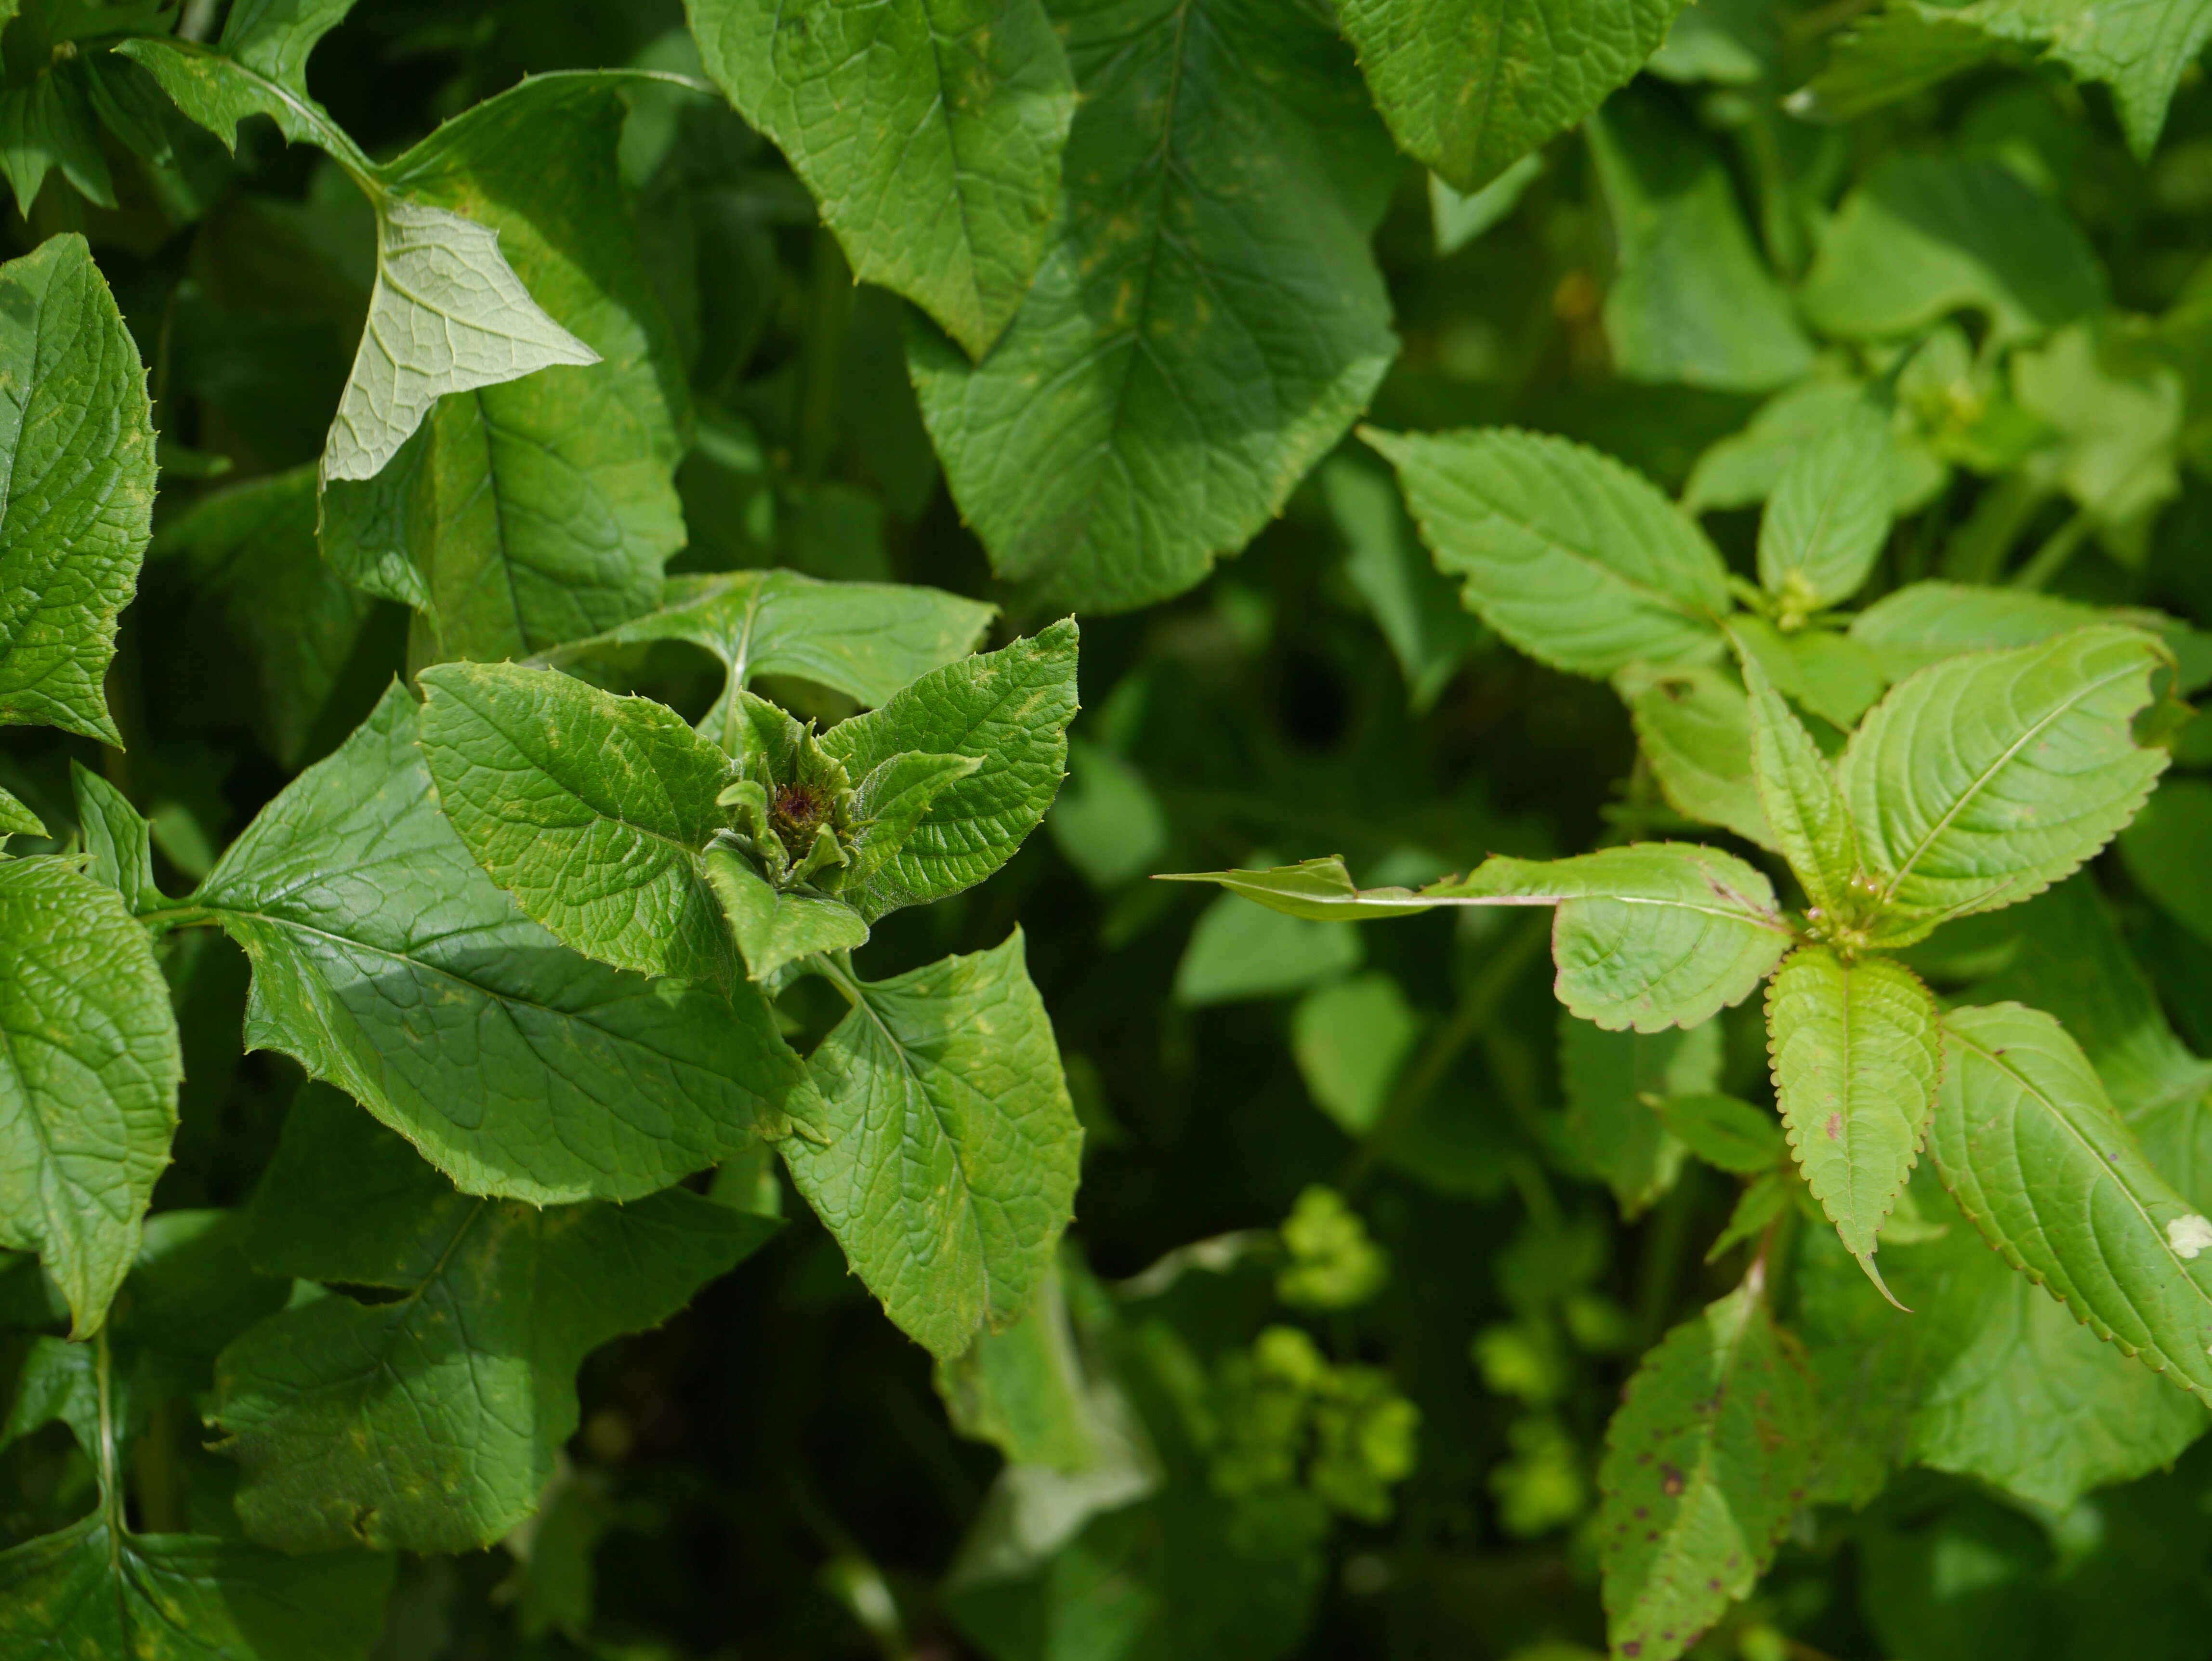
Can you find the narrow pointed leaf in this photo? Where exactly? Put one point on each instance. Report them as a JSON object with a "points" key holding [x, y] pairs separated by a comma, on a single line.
{"points": [[591, 810], [1985, 779], [1705, 1463], [89, 1067], [1829, 513], [1576, 560], [1857, 1060], [17, 820], [1803, 801], [953, 1150], [386, 962], [2030, 1144], [929, 131], [772, 926]]}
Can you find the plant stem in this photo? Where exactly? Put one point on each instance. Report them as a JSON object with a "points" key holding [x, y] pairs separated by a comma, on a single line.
{"points": [[2060, 546]]}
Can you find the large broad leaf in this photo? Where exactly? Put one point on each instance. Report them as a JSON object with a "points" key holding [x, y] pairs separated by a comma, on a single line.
{"points": [[1186, 351], [1829, 513], [1471, 87], [1007, 709], [1691, 300], [1652, 935], [591, 810], [429, 1421], [1923, 622], [953, 1150], [534, 508], [386, 962], [77, 446], [1801, 802], [865, 640], [2028, 1141], [89, 1067], [1613, 1083], [1693, 727], [930, 132], [258, 67], [1570, 555], [1857, 1060], [1705, 1463], [1985, 779]]}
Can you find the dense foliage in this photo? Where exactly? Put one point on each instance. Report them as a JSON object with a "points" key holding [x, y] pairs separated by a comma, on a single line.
{"points": [[553, 1101]]}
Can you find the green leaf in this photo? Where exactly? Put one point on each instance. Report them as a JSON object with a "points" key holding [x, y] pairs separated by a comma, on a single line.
{"points": [[1106, 821], [1238, 952], [48, 123], [428, 1422], [1983, 780], [76, 438], [1856, 1059], [866, 640], [1469, 89], [252, 547], [1417, 608], [472, 504], [96, 1589], [930, 132], [953, 1151], [1725, 1131], [119, 840], [1829, 515], [1576, 560], [2142, 51], [2164, 851], [2118, 413], [17, 820], [1187, 352], [274, 37], [1458, 220], [591, 810], [1693, 726], [1350, 1038], [1705, 1463], [1613, 1083], [1007, 709], [386, 962], [1744, 467], [773, 926], [2030, 1145], [1801, 800], [1027, 1390], [89, 1067], [1887, 56], [261, 69], [1691, 301], [1928, 236], [1925, 622]]}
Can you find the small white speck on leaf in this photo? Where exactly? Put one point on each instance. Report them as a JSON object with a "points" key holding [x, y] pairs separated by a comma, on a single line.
{"points": [[2189, 1235]]}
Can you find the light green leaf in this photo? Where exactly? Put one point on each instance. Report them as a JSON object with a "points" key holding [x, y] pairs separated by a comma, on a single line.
{"points": [[1744, 467], [1923, 622], [119, 840], [1238, 950], [2164, 850], [274, 38], [2141, 48], [1613, 1083], [1458, 220], [1317, 890], [252, 547], [1705, 1463], [1470, 88], [17, 820], [1983, 780], [537, 508], [1574, 558], [386, 962], [76, 438], [1889, 55], [1928, 236], [89, 1067], [1147, 410], [1106, 821], [1829, 513], [591, 810], [1029, 1393], [1856, 1059], [1009, 710], [2117, 412], [1726, 1132], [1691, 300], [1350, 1038], [1801, 800], [2030, 1145], [48, 123], [930, 132], [428, 1422], [218, 87], [865, 640], [1416, 607], [775, 926], [1731, 43], [1693, 727], [953, 1151]]}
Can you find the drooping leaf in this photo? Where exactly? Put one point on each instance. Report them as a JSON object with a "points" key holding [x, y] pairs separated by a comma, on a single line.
{"points": [[1693, 727], [1416, 607], [2142, 51], [1574, 558], [1028, 1391], [1186, 352], [1613, 1083], [89, 1067], [1009, 710], [1857, 1057], [2030, 1144], [930, 132], [1801, 802], [118, 839], [1829, 513], [1706, 1462], [774, 926], [591, 810], [1691, 301], [1887, 55], [1470, 88], [1983, 780], [865, 640], [386, 961], [258, 67], [953, 1150], [77, 437], [428, 1422]]}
